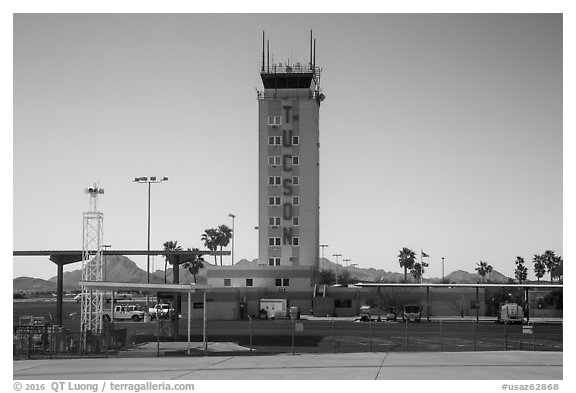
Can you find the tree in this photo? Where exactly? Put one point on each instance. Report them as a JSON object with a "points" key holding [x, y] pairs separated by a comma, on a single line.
{"points": [[406, 258], [327, 277], [195, 264], [550, 260], [416, 271], [224, 236], [483, 268], [210, 239], [344, 277], [521, 272], [172, 259], [539, 266], [558, 270]]}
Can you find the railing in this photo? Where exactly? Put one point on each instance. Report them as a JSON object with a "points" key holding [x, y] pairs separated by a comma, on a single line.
{"points": [[290, 69], [311, 94], [264, 337]]}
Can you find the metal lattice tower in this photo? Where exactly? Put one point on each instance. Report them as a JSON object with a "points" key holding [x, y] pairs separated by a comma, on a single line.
{"points": [[92, 264]]}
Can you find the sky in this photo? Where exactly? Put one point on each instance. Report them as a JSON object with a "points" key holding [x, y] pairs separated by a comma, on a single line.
{"points": [[439, 132]]}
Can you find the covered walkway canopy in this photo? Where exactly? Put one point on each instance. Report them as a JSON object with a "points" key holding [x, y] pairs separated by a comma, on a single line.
{"points": [[134, 286], [66, 257], [526, 287]]}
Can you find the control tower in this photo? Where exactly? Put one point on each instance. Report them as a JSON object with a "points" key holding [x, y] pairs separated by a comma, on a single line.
{"points": [[288, 161]]}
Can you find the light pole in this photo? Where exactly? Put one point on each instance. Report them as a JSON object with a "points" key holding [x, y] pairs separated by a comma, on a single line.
{"points": [[346, 261], [233, 217], [442, 270], [347, 274], [336, 255], [322, 246], [149, 180], [105, 246]]}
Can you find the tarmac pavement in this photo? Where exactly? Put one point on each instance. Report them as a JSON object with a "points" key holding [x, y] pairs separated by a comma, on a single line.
{"points": [[510, 365]]}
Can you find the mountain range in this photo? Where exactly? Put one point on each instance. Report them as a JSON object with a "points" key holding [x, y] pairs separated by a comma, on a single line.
{"points": [[123, 269]]}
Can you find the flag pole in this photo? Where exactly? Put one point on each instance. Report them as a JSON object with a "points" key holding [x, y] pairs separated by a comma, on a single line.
{"points": [[421, 267]]}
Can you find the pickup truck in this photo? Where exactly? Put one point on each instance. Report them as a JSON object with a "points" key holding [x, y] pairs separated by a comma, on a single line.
{"points": [[124, 312], [160, 311], [510, 313]]}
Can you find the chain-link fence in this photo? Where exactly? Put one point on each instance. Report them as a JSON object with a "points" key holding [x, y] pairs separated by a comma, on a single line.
{"points": [[259, 337]]}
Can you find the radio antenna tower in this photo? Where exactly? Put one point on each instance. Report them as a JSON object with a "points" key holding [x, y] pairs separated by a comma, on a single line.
{"points": [[92, 264]]}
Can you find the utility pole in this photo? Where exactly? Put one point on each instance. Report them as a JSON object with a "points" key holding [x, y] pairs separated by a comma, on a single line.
{"points": [[322, 246], [336, 255], [233, 217]]}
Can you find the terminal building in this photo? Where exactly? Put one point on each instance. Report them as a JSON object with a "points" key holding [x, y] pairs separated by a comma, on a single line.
{"points": [[288, 194]]}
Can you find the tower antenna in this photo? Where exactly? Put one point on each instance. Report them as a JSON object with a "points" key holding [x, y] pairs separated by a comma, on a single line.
{"points": [[314, 57], [263, 50], [268, 43], [310, 48]]}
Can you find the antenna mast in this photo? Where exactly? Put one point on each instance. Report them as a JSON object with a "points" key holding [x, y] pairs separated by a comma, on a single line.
{"points": [[92, 264]]}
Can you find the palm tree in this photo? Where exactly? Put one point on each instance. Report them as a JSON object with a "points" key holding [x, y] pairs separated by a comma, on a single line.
{"points": [[521, 272], [210, 239], [172, 259], [539, 266], [482, 269], [549, 259], [195, 264], [406, 258], [224, 236], [558, 270], [489, 269]]}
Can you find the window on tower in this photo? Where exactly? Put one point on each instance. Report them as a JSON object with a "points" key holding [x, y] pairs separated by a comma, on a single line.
{"points": [[274, 201], [274, 241], [295, 160], [274, 180], [274, 120], [274, 160], [295, 140], [274, 221], [274, 140], [296, 201], [295, 180]]}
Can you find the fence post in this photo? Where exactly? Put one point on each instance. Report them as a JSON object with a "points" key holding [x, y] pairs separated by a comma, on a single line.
{"points": [[370, 333], [250, 330], [333, 335], [51, 340], [406, 334], [106, 326], [157, 335], [505, 336], [29, 345], [440, 335], [474, 335], [292, 322]]}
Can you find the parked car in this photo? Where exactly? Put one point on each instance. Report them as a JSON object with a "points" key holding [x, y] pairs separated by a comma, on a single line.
{"points": [[391, 314], [412, 312]]}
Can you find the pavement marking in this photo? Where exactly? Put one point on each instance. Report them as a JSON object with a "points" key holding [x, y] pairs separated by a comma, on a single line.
{"points": [[203, 368], [381, 365]]}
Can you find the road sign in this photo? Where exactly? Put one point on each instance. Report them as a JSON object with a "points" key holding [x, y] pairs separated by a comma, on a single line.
{"points": [[527, 329]]}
